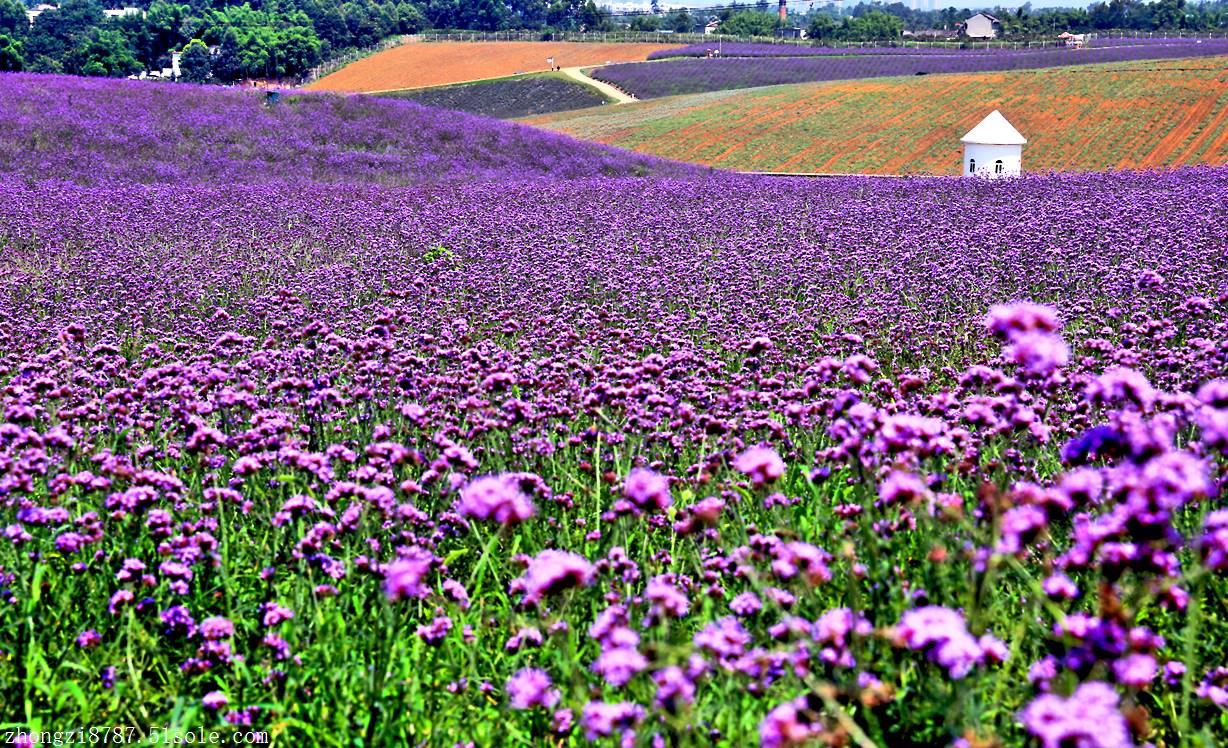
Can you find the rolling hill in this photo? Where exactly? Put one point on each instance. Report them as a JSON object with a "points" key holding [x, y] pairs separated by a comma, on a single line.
{"points": [[1086, 118], [509, 98], [675, 77], [98, 130], [423, 64]]}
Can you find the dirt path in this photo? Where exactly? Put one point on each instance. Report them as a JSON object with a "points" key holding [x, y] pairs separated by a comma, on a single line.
{"points": [[605, 88]]}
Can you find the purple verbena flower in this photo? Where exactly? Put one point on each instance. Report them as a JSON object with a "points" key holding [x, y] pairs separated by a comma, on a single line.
{"points": [[601, 719], [551, 572], [1089, 718], [647, 490], [761, 464], [497, 498], [404, 577], [1019, 317], [529, 688]]}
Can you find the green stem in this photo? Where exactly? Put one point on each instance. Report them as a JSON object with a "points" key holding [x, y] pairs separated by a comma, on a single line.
{"points": [[475, 579], [1193, 624]]}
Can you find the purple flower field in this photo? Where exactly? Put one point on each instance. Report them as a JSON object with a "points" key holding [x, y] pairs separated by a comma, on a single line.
{"points": [[908, 49], [97, 130], [766, 49], [684, 76], [700, 460]]}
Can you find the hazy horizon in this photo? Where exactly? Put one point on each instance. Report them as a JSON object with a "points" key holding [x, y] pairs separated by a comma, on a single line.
{"points": [[803, 6]]}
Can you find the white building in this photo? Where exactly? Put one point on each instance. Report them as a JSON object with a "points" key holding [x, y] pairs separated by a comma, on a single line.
{"points": [[981, 26], [37, 11], [122, 12], [993, 149]]}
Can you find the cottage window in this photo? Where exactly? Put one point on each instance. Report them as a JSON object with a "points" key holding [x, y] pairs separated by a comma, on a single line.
{"points": [[997, 166], [972, 166]]}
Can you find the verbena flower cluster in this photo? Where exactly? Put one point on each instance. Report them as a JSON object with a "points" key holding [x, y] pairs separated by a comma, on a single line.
{"points": [[642, 461]]}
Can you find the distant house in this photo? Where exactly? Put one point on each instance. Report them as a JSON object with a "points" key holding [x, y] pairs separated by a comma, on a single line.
{"points": [[928, 33], [981, 26], [37, 11], [121, 12], [712, 26], [796, 32], [171, 73]]}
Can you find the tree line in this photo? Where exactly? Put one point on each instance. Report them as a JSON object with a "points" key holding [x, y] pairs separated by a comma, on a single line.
{"points": [[226, 41], [1025, 22], [878, 21]]}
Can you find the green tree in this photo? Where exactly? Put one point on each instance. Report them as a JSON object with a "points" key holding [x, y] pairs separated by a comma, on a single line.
{"points": [[410, 19], [750, 23], [140, 39], [564, 13], [43, 64], [821, 26], [165, 22], [645, 23], [57, 31], [298, 50], [594, 18], [680, 21], [267, 43], [1167, 14], [528, 14], [13, 21], [258, 53], [386, 17], [10, 54], [195, 63], [874, 25], [444, 14], [102, 52], [330, 26], [226, 66], [364, 27], [484, 15]]}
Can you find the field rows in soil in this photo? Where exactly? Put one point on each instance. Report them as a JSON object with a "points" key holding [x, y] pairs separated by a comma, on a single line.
{"points": [[422, 64], [509, 98], [1149, 114]]}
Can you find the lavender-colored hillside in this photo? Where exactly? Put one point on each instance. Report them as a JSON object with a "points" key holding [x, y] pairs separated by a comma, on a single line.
{"points": [[683, 76], [97, 130]]}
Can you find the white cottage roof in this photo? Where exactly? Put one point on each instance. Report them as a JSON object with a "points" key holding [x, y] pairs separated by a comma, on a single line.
{"points": [[994, 130]]}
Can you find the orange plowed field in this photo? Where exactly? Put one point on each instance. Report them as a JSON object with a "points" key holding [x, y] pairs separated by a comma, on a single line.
{"points": [[1123, 115], [422, 64]]}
